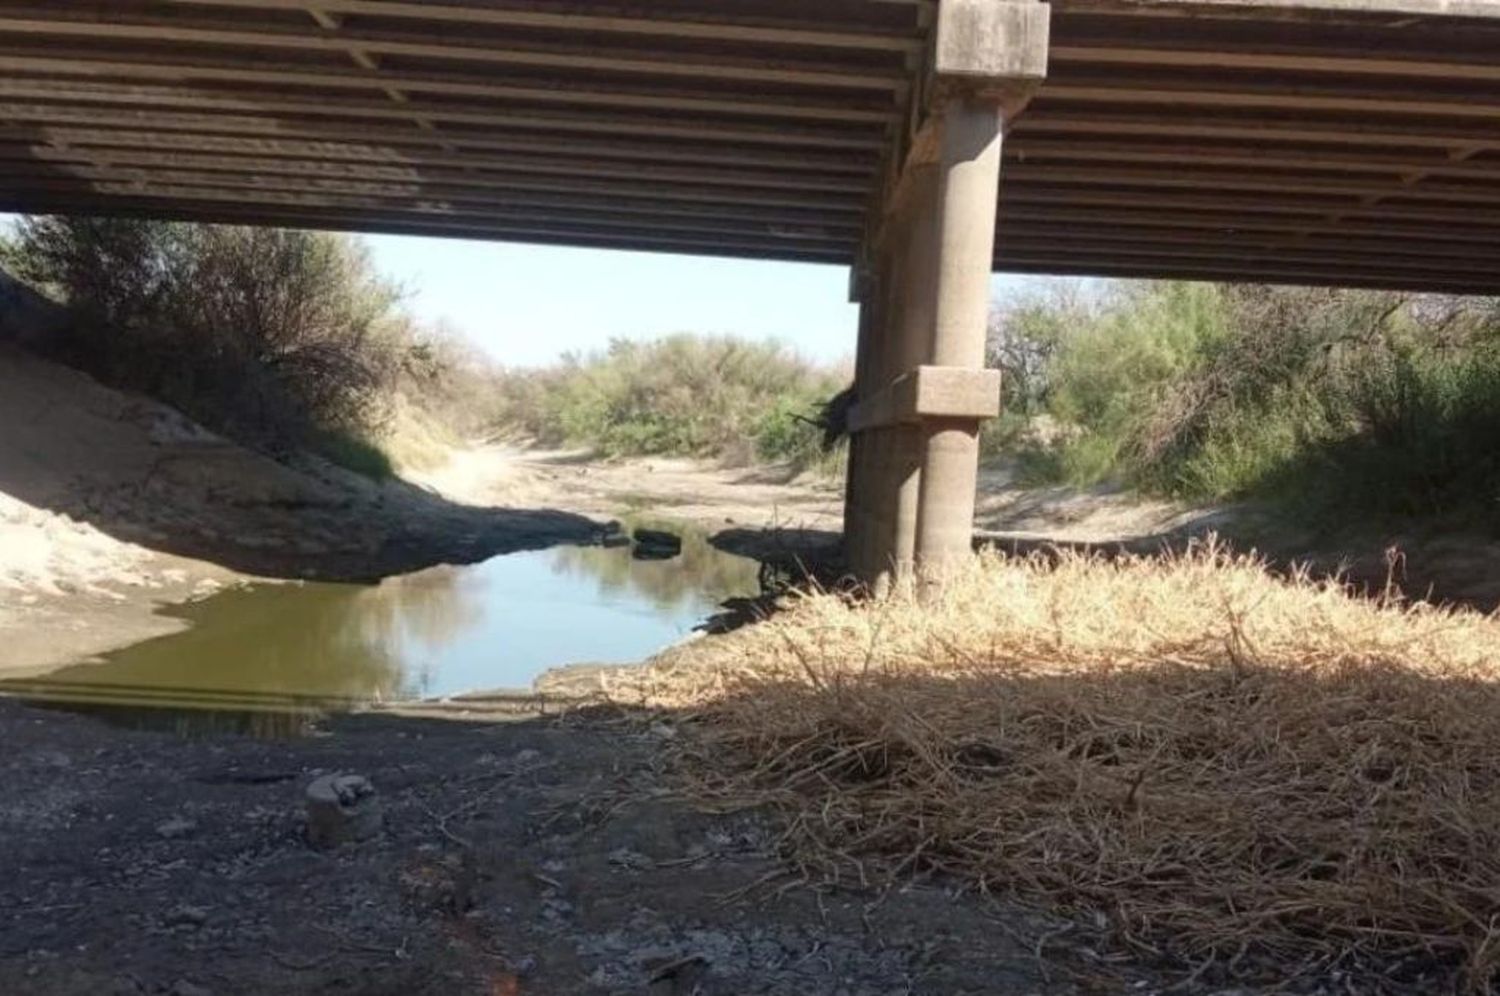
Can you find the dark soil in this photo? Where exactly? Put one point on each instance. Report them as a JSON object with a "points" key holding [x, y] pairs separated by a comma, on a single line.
{"points": [[533, 856]]}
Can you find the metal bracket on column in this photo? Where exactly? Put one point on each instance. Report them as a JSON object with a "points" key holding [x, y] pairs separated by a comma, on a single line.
{"points": [[930, 392]]}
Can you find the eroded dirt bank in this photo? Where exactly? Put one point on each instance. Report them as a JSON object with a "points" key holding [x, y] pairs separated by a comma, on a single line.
{"points": [[112, 505]]}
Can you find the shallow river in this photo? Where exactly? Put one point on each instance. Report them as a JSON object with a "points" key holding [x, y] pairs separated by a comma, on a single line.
{"points": [[440, 632]]}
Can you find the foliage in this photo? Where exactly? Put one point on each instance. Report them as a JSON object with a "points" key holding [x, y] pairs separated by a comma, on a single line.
{"points": [[275, 337], [685, 395], [1331, 399], [354, 453], [283, 339]]}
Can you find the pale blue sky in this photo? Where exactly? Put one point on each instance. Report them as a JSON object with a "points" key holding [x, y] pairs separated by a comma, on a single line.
{"points": [[526, 305]]}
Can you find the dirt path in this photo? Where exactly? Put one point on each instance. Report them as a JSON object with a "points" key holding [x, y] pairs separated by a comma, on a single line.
{"points": [[692, 491]]}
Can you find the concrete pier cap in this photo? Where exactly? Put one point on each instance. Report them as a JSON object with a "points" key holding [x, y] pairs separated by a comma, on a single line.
{"points": [[994, 50]]}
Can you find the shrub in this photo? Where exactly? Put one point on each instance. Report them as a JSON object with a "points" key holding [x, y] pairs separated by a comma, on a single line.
{"points": [[682, 395], [273, 337], [1335, 400], [1110, 376], [791, 433], [353, 453], [1417, 430]]}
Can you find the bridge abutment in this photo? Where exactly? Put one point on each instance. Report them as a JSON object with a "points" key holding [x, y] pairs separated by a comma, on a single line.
{"points": [[921, 386]]}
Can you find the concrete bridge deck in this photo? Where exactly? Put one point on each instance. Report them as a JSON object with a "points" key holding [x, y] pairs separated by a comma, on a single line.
{"points": [[1356, 142], [1352, 142]]}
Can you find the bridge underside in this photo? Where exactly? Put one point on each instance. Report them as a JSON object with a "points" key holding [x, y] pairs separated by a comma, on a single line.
{"points": [[1352, 142]]}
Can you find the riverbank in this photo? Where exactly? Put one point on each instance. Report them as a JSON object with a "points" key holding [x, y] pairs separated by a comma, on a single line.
{"points": [[572, 853], [112, 505]]}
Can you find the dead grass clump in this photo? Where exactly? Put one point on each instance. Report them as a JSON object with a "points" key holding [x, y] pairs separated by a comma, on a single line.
{"points": [[1238, 774]]}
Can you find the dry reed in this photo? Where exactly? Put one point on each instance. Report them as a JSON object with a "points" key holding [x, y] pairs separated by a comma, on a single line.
{"points": [[1236, 774]]}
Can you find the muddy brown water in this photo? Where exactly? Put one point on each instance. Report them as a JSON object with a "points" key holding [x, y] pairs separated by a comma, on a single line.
{"points": [[316, 647]]}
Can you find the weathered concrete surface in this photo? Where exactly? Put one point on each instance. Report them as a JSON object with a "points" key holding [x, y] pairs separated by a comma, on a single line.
{"points": [[935, 247], [996, 48]]}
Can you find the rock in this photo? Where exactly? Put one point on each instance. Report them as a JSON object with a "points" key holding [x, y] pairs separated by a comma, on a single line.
{"points": [[54, 758], [630, 860], [340, 809], [185, 916], [176, 827], [446, 885], [654, 544]]}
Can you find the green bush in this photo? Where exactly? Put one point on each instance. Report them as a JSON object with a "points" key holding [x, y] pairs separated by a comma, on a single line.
{"points": [[274, 337], [1419, 430], [789, 433], [682, 395], [1240, 450], [1336, 401], [1107, 371]]}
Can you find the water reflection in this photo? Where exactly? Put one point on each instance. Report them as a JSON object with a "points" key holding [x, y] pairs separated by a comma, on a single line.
{"points": [[700, 573], [288, 651]]}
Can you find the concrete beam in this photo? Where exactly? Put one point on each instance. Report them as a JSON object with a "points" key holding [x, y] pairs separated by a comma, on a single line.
{"points": [[334, 37], [660, 25], [385, 125], [930, 392], [1310, 11], [643, 97], [989, 52], [969, 164]]}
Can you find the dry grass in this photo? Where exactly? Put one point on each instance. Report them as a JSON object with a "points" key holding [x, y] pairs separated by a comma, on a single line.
{"points": [[1244, 776]]}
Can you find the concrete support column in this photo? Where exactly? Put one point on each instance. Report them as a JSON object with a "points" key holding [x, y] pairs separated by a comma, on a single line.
{"points": [[856, 477], [910, 326], [967, 199], [921, 384]]}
